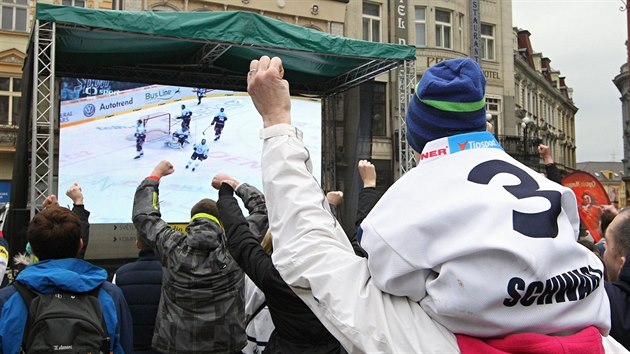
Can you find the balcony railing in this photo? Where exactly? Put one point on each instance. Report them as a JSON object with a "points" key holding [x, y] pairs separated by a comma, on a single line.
{"points": [[524, 150]]}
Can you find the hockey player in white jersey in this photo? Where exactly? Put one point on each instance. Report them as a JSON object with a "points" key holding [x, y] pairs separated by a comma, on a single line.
{"points": [[186, 116], [141, 135], [200, 153]]}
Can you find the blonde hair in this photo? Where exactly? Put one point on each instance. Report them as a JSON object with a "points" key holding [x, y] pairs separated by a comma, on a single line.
{"points": [[266, 243]]}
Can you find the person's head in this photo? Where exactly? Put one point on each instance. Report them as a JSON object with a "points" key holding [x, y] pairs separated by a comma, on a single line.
{"points": [[222, 109], [55, 233], [448, 100], [183, 106], [203, 141], [140, 244], [607, 216], [617, 244], [139, 122], [587, 199], [205, 206], [590, 245]]}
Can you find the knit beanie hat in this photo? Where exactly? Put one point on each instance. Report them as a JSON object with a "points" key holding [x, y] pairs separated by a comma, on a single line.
{"points": [[449, 100]]}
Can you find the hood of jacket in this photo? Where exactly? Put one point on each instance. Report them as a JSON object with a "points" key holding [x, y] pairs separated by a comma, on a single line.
{"points": [[204, 233], [68, 274]]}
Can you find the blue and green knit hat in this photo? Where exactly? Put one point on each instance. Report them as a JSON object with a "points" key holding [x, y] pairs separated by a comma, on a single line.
{"points": [[449, 100]]}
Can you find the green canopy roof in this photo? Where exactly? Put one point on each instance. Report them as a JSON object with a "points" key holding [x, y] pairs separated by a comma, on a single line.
{"points": [[209, 49]]}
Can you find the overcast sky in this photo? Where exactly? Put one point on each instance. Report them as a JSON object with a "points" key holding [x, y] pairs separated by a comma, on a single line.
{"points": [[585, 40]]}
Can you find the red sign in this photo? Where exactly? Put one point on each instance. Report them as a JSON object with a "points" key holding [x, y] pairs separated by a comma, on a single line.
{"points": [[591, 196]]}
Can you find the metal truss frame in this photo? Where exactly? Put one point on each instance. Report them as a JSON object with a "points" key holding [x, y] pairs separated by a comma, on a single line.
{"points": [[406, 86], [42, 116], [42, 122]]}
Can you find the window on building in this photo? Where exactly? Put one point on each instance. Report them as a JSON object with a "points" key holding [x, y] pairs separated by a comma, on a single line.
{"points": [[487, 42], [371, 22], [493, 107], [10, 93], [379, 109], [384, 177], [443, 34], [77, 3], [421, 26], [14, 15]]}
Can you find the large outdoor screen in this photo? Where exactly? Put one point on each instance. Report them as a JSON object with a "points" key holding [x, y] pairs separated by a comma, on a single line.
{"points": [[97, 147]]}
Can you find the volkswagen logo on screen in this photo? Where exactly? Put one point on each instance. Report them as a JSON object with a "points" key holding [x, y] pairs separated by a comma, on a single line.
{"points": [[89, 110]]}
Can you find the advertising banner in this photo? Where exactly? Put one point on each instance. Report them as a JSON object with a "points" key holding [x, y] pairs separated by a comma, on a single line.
{"points": [[5, 191], [97, 107], [591, 196]]}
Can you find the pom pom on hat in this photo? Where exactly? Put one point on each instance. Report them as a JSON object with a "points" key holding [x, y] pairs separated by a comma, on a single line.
{"points": [[449, 100]]}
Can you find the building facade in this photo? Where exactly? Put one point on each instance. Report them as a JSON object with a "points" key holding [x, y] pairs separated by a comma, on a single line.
{"points": [[622, 81], [544, 107]]}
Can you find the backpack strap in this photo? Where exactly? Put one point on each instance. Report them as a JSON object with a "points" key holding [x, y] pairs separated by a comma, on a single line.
{"points": [[106, 342], [28, 296]]}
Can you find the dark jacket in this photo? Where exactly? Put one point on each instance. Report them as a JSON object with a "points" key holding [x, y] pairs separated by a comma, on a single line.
{"points": [[297, 330], [80, 211], [368, 197], [141, 284], [619, 297], [69, 274], [202, 308], [553, 173]]}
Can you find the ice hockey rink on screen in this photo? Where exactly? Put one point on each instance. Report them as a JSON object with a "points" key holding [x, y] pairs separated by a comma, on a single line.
{"points": [[99, 153]]}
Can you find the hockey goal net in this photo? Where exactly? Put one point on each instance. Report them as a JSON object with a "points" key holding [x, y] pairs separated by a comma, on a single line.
{"points": [[157, 125]]}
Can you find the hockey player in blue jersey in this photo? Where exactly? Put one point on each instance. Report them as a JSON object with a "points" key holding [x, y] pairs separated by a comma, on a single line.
{"points": [[219, 123], [200, 153], [185, 117], [141, 135], [201, 93]]}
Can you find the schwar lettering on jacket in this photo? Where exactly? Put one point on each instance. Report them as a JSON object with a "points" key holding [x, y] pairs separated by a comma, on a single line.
{"points": [[573, 285]]}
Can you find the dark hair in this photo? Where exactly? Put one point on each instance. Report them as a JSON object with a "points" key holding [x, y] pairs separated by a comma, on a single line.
{"points": [[54, 233], [207, 206], [141, 244], [605, 219], [590, 245]]}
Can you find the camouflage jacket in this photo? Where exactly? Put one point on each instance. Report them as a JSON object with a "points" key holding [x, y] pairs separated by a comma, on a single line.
{"points": [[202, 306]]}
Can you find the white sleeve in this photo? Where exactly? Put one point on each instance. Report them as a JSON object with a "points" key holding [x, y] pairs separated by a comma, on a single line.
{"points": [[314, 256]]}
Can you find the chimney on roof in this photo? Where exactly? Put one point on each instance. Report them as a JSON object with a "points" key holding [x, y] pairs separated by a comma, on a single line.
{"points": [[563, 87], [525, 44], [546, 68]]}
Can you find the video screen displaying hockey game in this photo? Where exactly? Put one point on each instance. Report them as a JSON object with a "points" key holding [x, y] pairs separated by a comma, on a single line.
{"points": [[112, 134]]}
